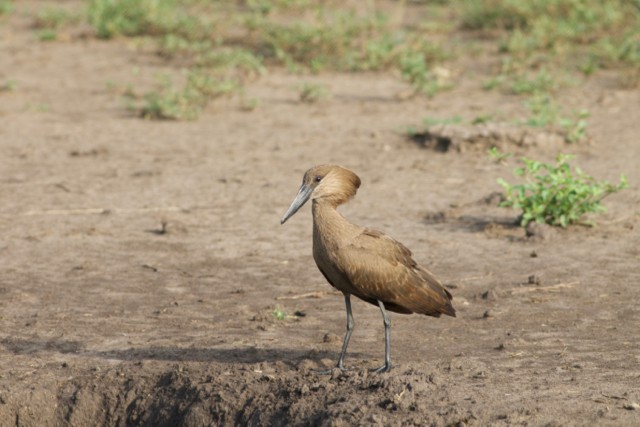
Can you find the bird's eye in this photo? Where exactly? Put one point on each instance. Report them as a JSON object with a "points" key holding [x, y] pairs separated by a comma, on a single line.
{"points": [[318, 178]]}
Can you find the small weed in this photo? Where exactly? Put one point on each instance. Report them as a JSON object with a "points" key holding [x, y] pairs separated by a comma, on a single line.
{"points": [[482, 119], [248, 104], [311, 93], [126, 17], [416, 70], [514, 78], [47, 35], [540, 83], [242, 61], [186, 103], [8, 86], [589, 66], [498, 156], [576, 127], [378, 54], [279, 313], [556, 194], [545, 112], [494, 82]]}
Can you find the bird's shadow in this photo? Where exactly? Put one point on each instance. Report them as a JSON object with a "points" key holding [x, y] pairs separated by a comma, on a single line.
{"points": [[246, 354]]}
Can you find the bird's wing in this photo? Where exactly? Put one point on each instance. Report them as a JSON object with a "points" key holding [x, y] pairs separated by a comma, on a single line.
{"points": [[382, 268]]}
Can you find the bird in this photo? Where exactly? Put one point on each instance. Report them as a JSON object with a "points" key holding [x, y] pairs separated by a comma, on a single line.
{"points": [[364, 262]]}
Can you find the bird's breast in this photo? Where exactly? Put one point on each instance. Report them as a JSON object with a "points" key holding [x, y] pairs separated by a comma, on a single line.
{"points": [[326, 253]]}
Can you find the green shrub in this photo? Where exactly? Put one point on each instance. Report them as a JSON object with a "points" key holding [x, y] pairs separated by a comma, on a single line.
{"points": [[556, 195]]}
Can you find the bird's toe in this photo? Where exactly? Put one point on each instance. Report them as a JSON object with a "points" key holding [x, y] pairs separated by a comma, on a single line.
{"points": [[382, 369]]}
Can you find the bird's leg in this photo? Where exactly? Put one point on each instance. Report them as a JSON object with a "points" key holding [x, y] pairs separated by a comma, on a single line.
{"points": [[350, 325], [387, 341]]}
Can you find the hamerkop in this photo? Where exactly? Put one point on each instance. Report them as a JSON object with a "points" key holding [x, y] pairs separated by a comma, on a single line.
{"points": [[363, 262]]}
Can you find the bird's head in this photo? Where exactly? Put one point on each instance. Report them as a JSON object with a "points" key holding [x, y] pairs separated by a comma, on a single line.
{"points": [[327, 183]]}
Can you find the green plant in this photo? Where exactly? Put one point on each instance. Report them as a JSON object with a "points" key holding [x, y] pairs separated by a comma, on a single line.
{"points": [[482, 119], [494, 82], [311, 93], [8, 86], [47, 34], [186, 103], [526, 84], [249, 104], [415, 69], [498, 156], [121, 17], [279, 313], [556, 194], [576, 127], [545, 112], [243, 62]]}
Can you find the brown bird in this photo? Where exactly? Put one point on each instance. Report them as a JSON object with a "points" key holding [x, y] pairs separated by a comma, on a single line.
{"points": [[363, 262]]}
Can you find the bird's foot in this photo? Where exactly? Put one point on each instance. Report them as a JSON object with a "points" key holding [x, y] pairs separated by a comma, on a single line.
{"points": [[382, 369]]}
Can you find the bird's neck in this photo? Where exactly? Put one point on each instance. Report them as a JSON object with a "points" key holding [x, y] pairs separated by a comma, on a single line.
{"points": [[329, 226]]}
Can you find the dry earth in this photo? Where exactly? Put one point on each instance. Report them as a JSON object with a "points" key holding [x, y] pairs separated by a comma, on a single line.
{"points": [[140, 262]]}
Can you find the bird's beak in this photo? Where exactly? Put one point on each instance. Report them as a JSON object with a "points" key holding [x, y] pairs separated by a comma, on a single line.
{"points": [[301, 198]]}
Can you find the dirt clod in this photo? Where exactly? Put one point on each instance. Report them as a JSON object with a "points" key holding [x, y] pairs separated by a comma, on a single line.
{"points": [[537, 231]]}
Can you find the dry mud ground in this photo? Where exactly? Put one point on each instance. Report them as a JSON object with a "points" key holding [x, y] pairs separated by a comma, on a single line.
{"points": [[109, 317]]}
